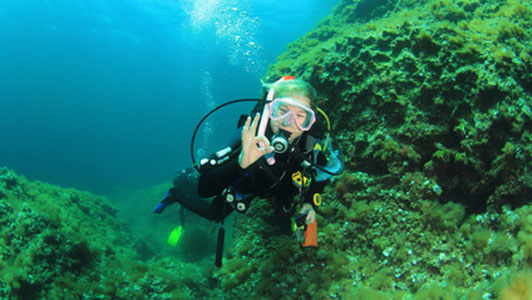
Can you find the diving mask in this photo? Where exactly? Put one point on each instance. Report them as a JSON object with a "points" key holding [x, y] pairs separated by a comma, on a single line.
{"points": [[289, 113]]}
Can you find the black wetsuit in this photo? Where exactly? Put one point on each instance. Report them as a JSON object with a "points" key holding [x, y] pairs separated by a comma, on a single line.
{"points": [[260, 179]]}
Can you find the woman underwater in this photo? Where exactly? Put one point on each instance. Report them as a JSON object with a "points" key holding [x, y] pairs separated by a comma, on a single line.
{"points": [[280, 157]]}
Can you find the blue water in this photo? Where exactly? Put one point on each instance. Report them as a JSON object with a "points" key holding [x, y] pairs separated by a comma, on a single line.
{"points": [[99, 95]]}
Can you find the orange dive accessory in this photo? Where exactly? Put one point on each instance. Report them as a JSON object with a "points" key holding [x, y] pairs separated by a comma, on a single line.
{"points": [[307, 235], [311, 235]]}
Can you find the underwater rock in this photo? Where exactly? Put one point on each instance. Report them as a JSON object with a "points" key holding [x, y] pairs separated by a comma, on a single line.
{"points": [[422, 89], [58, 243], [431, 102]]}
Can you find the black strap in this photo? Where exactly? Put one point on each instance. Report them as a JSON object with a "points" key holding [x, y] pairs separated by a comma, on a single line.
{"points": [[277, 179], [220, 243]]}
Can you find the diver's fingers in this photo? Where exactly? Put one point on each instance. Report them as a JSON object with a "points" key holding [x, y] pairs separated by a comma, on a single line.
{"points": [[264, 143], [247, 125], [267, 145], [245, 130], [255, 123], [311, 216]]}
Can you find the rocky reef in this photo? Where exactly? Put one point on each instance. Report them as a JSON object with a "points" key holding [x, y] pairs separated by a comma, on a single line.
{"points": [[441, 87], [431, 102], [58, 243]]}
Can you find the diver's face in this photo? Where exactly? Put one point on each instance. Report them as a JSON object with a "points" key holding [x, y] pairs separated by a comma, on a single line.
{"points": [[291, 127]]}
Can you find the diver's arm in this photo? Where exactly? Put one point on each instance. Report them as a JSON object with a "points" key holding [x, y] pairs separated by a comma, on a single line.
{"points": [[212, 182], [215, 180], [309, 206]]}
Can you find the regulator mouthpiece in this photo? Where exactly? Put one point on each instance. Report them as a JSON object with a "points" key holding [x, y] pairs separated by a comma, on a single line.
{"points": [[280, 141]]}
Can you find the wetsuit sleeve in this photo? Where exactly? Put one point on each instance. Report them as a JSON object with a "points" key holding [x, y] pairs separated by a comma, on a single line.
{"points": [[213, 181]]}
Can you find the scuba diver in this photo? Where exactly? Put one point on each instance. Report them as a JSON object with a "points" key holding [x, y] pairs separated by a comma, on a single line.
{"points": [[282, 152]]}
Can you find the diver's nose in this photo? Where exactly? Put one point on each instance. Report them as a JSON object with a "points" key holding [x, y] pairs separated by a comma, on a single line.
{"points": [[287, 121]]}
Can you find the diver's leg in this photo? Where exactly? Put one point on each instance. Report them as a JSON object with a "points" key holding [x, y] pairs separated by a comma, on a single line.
{"points": [[283, 217], [284, 222], [214, 209], [185, 192], [284, 208]]}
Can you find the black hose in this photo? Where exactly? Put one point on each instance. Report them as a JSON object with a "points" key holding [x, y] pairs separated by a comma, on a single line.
{"points": [[220, 247], [203, 119]]}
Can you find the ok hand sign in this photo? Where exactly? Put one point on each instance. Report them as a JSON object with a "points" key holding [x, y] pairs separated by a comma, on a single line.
{"points": [[253, 147]]}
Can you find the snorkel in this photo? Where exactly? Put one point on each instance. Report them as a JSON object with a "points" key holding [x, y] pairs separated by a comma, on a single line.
{"points": [[264, 123], [280, 140]]}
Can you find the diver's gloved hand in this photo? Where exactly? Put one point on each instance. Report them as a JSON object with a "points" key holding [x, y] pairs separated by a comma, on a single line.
{"points": [[171, 197], [251, 152], [308, 210]]}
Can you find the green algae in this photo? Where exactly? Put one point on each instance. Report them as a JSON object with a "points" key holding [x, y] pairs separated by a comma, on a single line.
{"points": [[431, 104], [58, 243]]}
